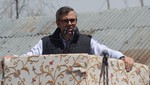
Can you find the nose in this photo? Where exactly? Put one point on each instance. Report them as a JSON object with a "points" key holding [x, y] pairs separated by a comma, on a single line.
{"points": [[69, 22]]}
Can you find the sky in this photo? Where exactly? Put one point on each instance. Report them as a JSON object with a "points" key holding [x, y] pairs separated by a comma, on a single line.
{"points": [[100, 5], [49, 7]]}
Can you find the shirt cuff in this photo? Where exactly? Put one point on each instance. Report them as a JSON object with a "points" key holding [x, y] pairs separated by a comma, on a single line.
{"points": [[122, 57]]}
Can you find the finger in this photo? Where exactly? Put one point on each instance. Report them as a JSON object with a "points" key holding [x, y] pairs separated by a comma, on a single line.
{"points": [[129, 62], [128, 70], [128, 67]]}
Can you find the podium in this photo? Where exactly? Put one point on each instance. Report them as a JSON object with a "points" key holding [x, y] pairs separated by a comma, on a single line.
{"points": [[69, 69]]}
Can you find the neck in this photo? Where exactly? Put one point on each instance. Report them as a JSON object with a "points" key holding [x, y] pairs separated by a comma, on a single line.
{"points": [[67, 37]]}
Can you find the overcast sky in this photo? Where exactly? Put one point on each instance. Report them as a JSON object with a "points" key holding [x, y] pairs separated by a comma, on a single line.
{"points": [[49, 7], [99, 5]]}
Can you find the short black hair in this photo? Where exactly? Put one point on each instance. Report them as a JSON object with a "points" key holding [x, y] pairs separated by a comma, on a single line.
{"points": [[63, 11]]}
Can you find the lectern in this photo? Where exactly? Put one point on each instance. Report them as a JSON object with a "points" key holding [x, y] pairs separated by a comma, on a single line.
{"points": [[69, 69]]}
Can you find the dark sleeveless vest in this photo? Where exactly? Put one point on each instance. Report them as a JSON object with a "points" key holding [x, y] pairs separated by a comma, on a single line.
{"points": [[53, 44]]}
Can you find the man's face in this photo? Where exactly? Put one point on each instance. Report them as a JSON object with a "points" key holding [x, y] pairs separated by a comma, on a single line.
{"points": [[68, 22]]}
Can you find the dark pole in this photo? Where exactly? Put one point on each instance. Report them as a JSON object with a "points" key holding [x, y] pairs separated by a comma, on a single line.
{"points": [[108, 4], [17, 9], [142, 4]]}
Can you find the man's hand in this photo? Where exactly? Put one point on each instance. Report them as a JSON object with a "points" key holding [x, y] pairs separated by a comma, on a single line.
{"points": [[129, 63]]}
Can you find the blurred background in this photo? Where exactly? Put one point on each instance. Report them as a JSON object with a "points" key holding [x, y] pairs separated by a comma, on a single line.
{"points": [[28, 8]]}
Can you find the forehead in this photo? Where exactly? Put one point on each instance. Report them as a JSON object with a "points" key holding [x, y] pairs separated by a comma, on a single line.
{"points": [[70, 15]]}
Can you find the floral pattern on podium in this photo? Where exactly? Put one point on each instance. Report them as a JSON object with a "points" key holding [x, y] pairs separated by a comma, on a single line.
{"points": [[70, 69]]}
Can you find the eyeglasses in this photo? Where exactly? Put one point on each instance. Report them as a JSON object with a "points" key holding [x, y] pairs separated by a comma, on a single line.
{"points": [[71, 20]]}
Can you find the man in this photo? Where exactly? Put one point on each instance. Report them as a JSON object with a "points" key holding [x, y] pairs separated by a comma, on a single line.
{"points": [[67, 39]]}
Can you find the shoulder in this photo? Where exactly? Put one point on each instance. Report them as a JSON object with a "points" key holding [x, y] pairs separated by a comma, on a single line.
{"points": [[84, 35], [46, 37]]}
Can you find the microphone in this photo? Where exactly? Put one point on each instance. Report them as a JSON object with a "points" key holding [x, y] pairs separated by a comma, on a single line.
{"points": [[104, 70], [105, 53], [105, 58], [65, 31]]}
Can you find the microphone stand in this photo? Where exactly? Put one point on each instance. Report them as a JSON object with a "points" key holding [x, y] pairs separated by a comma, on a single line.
{"points": [[67, 47], [104, 70]]}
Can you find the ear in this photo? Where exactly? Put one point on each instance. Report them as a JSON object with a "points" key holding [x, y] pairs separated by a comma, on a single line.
{"points": [[58, 22]]}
